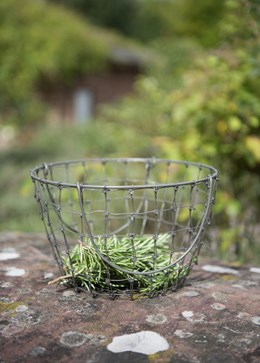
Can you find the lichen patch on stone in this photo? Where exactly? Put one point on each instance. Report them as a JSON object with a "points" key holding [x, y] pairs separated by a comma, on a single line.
{"points": [[256, 320], [156, 319], [220, 269], [48, 275], [38, 351], [21, 308], [255, 270], [73, 339], [220, 296], [218, 306], [145, 342], [189, 315], [14, 271], [191, 293], [183, 334], [76, 339], [9, 254]]}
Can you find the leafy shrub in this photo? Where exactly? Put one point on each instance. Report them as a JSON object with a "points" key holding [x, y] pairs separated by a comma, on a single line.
{"points": [[211, 114], [40, 43]]}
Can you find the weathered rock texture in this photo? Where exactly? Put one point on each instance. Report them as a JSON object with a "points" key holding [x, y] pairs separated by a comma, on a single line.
{"points": [[214, 318]]}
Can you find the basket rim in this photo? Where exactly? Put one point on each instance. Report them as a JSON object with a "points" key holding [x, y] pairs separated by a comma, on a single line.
{"points": [[148, 161]]}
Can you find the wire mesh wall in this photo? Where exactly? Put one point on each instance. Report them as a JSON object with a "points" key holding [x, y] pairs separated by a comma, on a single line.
{"points": [[125, 226]]}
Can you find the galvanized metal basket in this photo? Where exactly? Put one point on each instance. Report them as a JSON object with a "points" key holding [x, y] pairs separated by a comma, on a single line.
{"points": [[125, 226]]}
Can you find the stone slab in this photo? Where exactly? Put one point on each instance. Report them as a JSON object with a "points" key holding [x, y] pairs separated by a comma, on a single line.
{"points": [[214, 318]]}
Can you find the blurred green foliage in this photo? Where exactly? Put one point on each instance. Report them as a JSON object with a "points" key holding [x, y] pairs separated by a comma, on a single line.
{"points": [[18, 208], [147, 20], [39, 51], [41, 42], [209, 111], [42, 45], [200, 104], [119, 15]]}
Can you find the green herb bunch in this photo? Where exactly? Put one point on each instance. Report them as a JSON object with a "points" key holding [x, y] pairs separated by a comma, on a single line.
{"points": [[85, 268]]}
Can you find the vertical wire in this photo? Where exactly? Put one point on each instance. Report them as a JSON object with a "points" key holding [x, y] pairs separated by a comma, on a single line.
{"points": [[155, 234], [210, 191], [106, 218], [82, 236], [62, 227], [106, 221], [48, 225], [126, 197], [105, 236], [43, 206], [174, 211], [132, 227], [67, 177], [144, 198], [52, 234], [162, 207], [190, 222]]}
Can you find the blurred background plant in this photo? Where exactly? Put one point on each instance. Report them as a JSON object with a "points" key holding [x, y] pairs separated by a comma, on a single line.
{"points": [[200, 102]]}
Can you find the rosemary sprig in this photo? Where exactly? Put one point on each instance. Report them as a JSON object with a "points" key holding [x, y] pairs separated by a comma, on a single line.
{"points": [[86, 269]]}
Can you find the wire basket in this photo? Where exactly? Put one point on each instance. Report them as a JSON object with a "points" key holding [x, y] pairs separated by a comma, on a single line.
{"points": [[125, 226]]}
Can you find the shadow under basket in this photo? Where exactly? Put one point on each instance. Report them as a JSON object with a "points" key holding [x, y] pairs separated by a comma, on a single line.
{"points": [[125, 226]]}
